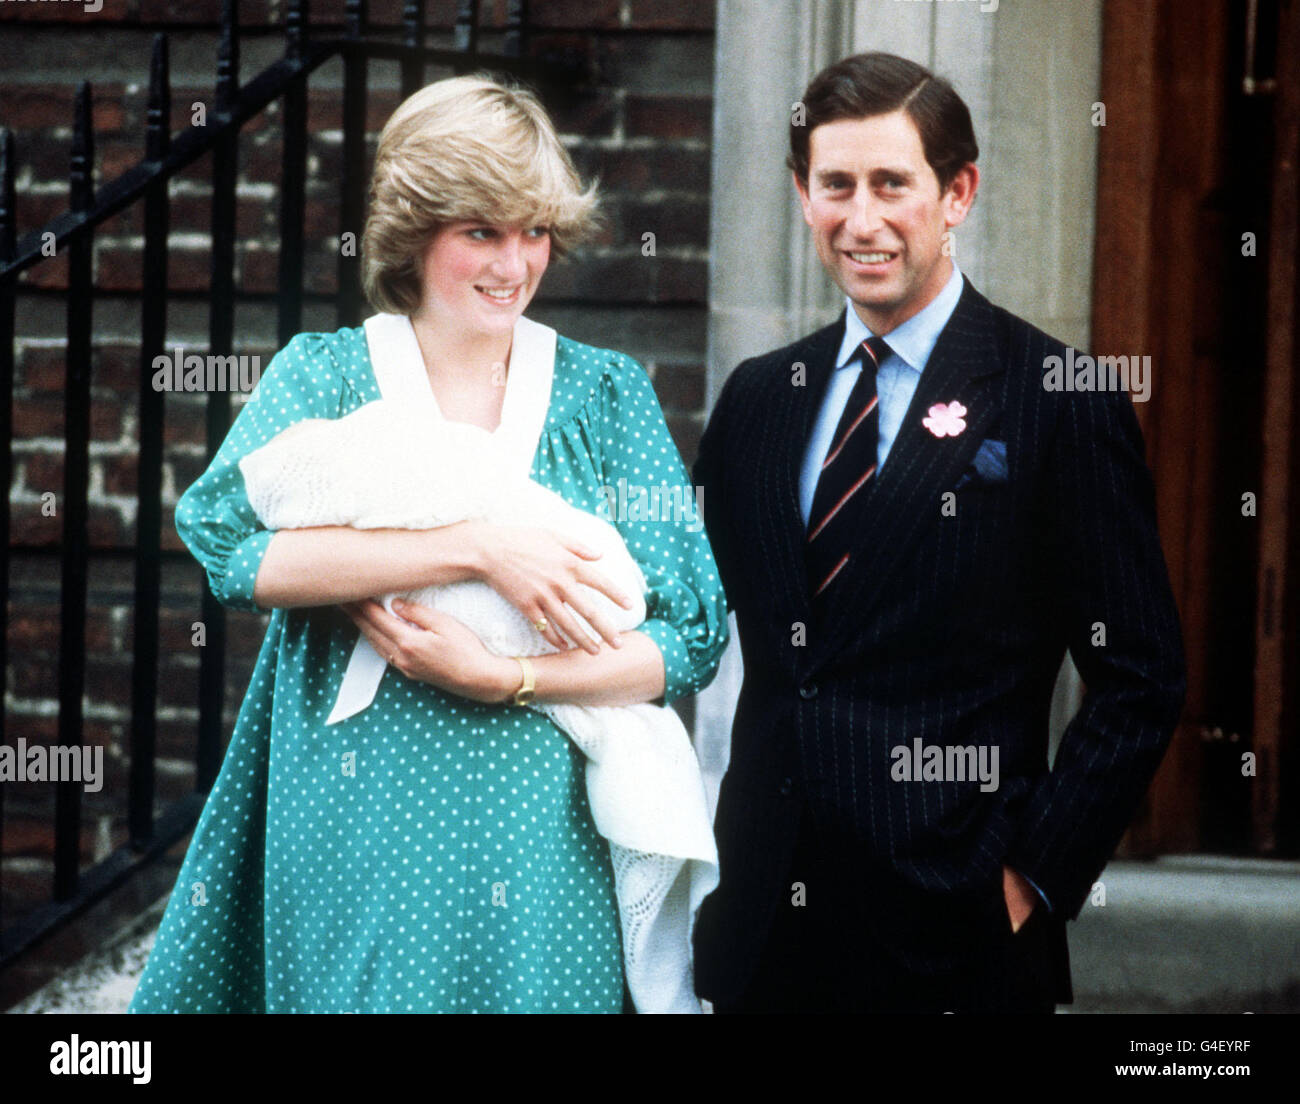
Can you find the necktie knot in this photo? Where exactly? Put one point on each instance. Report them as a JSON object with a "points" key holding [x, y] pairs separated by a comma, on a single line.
{"points": [[875, 350]]}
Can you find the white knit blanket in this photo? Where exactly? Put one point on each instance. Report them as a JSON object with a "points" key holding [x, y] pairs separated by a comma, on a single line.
{"points": [[386, 466]]}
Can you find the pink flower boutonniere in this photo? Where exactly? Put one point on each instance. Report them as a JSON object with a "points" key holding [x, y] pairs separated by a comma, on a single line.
{"points": [[946, 419]]}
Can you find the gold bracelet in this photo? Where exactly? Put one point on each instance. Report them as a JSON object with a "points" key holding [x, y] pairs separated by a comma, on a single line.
{"points": [[525, 692]]}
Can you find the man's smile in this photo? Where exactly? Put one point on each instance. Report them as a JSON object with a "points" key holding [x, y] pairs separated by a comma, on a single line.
{"points": [[870, 261]]}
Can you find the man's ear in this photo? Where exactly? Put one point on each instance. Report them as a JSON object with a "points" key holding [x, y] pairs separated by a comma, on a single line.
{"points": [[801, 186], [959, 197]]}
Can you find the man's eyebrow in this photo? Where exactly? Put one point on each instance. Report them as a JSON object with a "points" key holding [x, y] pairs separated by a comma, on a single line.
{"points": [[828, 176], [902, 174]]}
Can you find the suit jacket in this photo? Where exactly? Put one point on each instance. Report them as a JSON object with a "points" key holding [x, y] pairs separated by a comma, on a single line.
{"points": [[974, 568]]}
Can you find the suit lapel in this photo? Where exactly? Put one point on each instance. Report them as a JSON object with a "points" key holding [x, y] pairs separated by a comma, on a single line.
{"points": [[905, 498]]}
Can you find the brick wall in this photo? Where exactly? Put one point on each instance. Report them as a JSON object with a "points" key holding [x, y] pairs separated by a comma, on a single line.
{"points": [[640, 122]]}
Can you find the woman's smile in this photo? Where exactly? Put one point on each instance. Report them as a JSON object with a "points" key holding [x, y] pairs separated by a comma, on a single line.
{"points": [[500, 296]]}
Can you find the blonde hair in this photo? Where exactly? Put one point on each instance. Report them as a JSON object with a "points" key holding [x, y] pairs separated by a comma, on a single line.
{"points": [[465, 149]]}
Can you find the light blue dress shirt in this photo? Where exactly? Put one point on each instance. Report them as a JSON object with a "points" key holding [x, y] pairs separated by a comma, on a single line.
{"points": [[896, 383], [896, 380]]}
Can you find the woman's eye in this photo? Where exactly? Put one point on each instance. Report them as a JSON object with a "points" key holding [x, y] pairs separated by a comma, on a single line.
{"points": [[539, 232], [481, 233]]}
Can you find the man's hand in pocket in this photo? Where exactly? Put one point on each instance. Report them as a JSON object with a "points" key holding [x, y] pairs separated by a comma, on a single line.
{"points": [[1020, 897]]}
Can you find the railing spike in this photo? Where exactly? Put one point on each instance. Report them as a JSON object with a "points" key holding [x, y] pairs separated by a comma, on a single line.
{"points": [[516, 39], [228, 56], [82, 169], [357, 17], [296, 23], [467, 26], [158, 119], [413, 23], [8, 211]]}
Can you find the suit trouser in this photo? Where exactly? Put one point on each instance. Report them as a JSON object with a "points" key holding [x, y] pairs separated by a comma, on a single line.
{"points": [[804, 964]]}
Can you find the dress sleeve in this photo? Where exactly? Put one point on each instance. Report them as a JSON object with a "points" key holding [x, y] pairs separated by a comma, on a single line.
{"points": [[656, 512], [213, 516]]}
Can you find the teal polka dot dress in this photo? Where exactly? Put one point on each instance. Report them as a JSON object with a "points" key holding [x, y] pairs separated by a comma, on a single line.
{"points": [[430, 854]]}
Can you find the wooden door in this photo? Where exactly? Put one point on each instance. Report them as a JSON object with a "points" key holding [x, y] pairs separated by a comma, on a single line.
{"points": [[1194, 265]]}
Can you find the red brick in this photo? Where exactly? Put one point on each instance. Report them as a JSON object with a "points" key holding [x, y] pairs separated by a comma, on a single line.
{"points": [[43, 471], [34, 211], [28, 836], [624, 279], [43, 368], [251, 13], [676, 280], [115, 156], [107, 529], [42, 106], [34, 628], [180, 684], [320, 276], [637, 170], [680, 387], [119, 268], [121, 474], [113, 11], [185, 422], [42, 416], [117, 367], [584, 14], [590, 114], [671, 15], [50, 273], [321, 218], [674, 222], [171, 541], [686, 431], [108, 679], [29, 528], [259, 271], [668, 116]]}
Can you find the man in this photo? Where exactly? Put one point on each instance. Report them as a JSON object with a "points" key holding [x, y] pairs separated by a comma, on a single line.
{"points": [[912, 529]]}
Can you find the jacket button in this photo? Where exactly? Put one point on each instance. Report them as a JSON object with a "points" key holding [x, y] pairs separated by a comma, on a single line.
{"points": [[808, 691], [787, 787]]}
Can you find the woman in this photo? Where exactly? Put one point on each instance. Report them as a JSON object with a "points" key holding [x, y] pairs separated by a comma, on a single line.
{"points": [[435, 851]]}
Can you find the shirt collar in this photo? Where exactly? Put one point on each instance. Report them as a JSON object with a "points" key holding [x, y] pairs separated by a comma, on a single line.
{"points": [[914, 340]]}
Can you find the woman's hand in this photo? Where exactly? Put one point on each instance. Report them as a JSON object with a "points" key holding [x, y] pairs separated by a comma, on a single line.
{"points": [[436, 649], [538, 571]]}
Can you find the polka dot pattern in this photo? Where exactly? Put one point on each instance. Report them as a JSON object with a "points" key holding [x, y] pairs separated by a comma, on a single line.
{"points": [[431, 853]]}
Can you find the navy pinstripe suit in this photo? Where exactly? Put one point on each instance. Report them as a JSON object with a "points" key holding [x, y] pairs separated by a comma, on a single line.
{"points": [[949, 627]]}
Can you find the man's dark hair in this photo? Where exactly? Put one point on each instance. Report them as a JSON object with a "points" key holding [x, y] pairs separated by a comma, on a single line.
{"points": [[864, 85]]}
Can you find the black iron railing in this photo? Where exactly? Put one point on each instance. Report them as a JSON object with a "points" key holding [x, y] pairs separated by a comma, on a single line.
{"points": [[166, 155]]}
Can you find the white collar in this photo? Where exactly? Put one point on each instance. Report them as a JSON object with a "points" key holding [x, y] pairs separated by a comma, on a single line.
{"points": [[398, 365]]}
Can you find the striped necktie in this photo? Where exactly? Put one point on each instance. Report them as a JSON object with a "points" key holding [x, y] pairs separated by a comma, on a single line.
{"points": [[847, 471]]}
